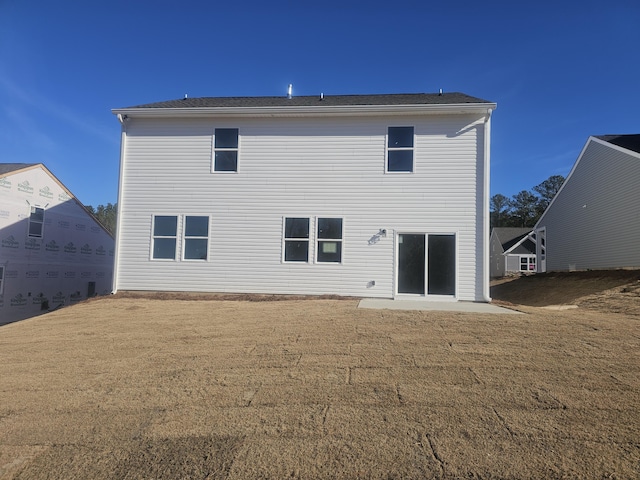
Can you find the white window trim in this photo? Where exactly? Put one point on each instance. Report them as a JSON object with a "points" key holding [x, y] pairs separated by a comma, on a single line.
{"points": [[184, 239], [528, 262], [317, 241], [387, 149], [214, 149], [308, 239], [153, 237]]}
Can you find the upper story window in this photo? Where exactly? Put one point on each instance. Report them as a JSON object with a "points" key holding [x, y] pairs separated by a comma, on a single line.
{"points": [[165, 234], [36, 222], [329, 240], [225, 150], [296, 239], [196, 238], [400, 149]]}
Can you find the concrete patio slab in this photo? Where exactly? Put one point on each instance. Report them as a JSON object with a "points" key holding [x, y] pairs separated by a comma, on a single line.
{"points": [[465, 307]]}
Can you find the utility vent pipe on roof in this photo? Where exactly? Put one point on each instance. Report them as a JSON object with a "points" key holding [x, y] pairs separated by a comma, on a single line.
{"points": [[290, 91]]}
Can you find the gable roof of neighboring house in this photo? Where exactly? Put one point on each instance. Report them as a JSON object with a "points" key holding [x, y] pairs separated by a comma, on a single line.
{"points": [[629, 142], [320, 100], [508, 236], [13, 167], [524, 246]]}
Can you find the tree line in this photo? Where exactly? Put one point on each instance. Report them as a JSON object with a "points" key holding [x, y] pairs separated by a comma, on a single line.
{"points": [[107, 215], [524, 208]]}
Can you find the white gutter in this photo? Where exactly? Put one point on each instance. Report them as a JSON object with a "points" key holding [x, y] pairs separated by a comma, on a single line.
{"points": [[116, 263], [486, 265], [300, 111]]}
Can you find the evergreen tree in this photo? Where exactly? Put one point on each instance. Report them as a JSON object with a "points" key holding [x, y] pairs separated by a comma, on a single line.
{"points": [[107, 215], [524, 209], [500, 210], [547, 190]]}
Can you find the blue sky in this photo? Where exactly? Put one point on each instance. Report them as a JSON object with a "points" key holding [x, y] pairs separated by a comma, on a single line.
{"points": [[558, 70]]}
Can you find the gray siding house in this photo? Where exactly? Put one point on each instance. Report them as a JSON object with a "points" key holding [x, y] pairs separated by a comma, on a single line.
{"points": [[593, 221], [513, 250], [356, 195]]}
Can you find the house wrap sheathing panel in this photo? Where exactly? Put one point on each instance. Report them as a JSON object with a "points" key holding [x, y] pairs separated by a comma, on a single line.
{"points": [[70, 260]]}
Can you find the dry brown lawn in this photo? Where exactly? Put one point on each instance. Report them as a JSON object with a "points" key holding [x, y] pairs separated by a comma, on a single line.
{"points": [[144, 388]]}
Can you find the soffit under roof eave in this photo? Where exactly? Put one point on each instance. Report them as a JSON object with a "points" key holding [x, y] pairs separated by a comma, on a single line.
{"points": [[342, 110]]}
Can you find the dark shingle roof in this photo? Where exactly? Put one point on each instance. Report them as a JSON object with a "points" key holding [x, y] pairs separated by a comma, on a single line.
{"points": [[317, 100], [509, 236], [630, 142], [527, 248], [12, 167]]}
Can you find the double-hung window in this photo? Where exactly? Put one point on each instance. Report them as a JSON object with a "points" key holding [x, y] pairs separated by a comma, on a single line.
{"points": [[225, 150], [165, 235], [400, 149], [296, 239], [329, 240], [36, 222], [196, 238]]}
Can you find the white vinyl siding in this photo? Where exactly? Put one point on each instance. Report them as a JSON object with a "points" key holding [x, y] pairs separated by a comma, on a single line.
{"points": [[593, 223], [326, 167]]}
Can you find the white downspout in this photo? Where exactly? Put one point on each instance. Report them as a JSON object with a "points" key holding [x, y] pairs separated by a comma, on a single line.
{"points": [[123, 139], [486, 293]]}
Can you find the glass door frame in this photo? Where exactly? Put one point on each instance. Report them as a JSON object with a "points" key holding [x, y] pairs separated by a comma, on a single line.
{"points": [[425, 295]]}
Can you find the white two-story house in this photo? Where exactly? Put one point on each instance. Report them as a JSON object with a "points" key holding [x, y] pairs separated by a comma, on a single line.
{"points": [[357, 195]]}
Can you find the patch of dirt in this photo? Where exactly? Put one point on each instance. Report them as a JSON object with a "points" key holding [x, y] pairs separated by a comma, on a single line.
{"points": [[623, 299], [136, 388], [569, 288], [190, 457]]}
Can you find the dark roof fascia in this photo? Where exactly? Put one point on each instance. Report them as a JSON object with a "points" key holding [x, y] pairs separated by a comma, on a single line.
{"points": [[327, 105]]}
